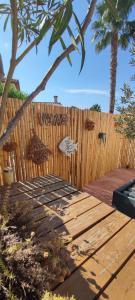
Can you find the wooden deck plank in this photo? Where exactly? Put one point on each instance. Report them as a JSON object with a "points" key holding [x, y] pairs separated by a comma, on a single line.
{"points": [[34, 202], [45, 189], [56, 194], [123, 286], [101, 239], [53, 187], [92, 240], [42, 181], [78, 225], [103, 187], [60, 203], [67, 200], [53, 177], [87, 220], [77, 208], [29, 185], [40, 214], [89, 242], [94, 274], [50, 199], [43, 194], [31, 180]]}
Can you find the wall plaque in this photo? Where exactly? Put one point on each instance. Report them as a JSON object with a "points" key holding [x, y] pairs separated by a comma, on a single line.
{"points": [[52, 119], [68, 146]]}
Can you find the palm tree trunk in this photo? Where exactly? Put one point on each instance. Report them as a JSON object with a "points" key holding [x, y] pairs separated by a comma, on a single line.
{"points": [[113, 69]]}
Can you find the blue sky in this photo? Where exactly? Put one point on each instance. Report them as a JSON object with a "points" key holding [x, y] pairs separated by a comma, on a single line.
{"points": [[84, 90]]}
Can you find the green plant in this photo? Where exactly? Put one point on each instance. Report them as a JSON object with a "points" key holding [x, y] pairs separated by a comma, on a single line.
{"points": [[125, 123], [50, 296], [13, 92], [96, 107], [115, 30], [1, 89], [6, 276]]}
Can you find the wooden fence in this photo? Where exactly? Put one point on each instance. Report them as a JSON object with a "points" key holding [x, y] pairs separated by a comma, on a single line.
{"points": [[93, 158], [127, 159]]}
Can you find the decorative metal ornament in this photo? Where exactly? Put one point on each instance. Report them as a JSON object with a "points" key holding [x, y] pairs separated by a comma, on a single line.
{"points": [[52, 119], [36, 150], [102, 136], [89, 125], [68, 146], [10, 146]]}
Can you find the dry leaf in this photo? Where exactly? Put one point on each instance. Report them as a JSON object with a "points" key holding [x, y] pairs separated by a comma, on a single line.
{"points": [[61, 279], [46, 254]]}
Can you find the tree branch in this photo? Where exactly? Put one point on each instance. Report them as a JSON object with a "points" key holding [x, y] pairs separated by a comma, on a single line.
{"points": [[12, 62], [30, 47], [43, 83], [24, 53]]}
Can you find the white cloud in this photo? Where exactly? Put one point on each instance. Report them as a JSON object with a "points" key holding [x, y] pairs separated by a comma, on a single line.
{"points": [[87, 91]]}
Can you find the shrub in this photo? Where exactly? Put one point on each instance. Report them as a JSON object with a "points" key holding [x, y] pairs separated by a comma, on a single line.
{"points": [[13, 92], [96, 107], [50, 296], [125, 123], [28, 268]]}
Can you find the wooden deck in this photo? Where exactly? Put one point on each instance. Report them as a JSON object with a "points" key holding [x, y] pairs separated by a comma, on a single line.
{"points": [[101, 246], [103, 188]]}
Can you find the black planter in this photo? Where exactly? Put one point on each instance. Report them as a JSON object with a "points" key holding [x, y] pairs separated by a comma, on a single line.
{"points": [[124, 199]]}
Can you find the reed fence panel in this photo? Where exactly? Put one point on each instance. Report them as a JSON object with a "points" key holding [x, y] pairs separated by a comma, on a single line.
{"points": [[94, 157]]}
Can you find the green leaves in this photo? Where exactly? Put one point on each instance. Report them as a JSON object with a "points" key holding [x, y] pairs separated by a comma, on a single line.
{"points": [[81, 37], [51, 18], [5, 23], [37, 18], [126, 119], [96, 107], [43, 31], [5, 11], [3, 7], [113, 17], [65, 48], [112, 8], [13, 92], [61, 23], [72, 38], [75, 41]]}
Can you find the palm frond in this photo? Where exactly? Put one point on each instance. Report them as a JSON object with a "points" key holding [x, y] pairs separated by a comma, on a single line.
{"points": [[98, 35], [130, 28], [101, 7], [127, 34], [98, 24], [125, 7], [124, 41], [107, 23], [104, 42]]}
